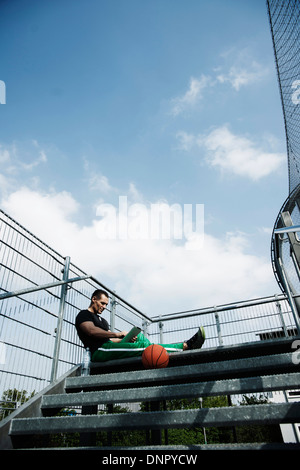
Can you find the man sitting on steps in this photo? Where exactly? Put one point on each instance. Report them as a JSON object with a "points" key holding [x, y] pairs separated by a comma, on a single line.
{"points": [[106, 345]]}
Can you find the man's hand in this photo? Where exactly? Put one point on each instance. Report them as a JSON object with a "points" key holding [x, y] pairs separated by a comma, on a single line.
{"points": [[133, 340], [119, 336], [122, 334]]}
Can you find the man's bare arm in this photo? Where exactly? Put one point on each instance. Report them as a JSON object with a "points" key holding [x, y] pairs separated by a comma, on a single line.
{"points": [[90, 329]]}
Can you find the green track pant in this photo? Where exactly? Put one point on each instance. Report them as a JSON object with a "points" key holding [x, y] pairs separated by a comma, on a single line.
{"points": [[111, 350]]}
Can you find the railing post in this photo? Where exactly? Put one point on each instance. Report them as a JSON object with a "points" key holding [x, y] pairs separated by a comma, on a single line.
{"points": [[220, 339], [278, 306], [290, 296], [161, 331], [113, 304], [60, 320], [145, 325]]}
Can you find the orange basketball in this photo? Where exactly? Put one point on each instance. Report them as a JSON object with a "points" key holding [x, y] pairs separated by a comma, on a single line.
{"points": [[155, 357]]}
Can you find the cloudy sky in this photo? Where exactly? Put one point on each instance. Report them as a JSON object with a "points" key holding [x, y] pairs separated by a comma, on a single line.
{"points": [[159, 103]]}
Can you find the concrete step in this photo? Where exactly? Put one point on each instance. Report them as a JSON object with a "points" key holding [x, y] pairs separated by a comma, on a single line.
{"points": [[251, 366], [205, 355], [51, 403], [162, 454], [204, 417], [249, 369]]}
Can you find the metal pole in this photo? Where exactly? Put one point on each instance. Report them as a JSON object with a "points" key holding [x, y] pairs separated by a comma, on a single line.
{"points": [[218, 327], [294, 427], [60, 320], [161, 332], [145, 325], [290, 295], [278, 306], [113, 304], [204, 430]]}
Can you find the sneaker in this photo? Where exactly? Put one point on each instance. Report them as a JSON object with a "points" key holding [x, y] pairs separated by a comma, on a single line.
{"points": [[196, 341]]}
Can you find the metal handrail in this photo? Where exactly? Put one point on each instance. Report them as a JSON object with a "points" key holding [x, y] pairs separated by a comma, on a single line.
{"points": [[49, 285], [217, 308]]}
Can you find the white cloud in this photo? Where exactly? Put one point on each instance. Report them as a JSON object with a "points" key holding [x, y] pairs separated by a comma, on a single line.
{"points": [[239, 76], [234, 154], [96, 181], [240, 70], [40, 210], [42, 158], [186, 140], [192, 96], [4, 155], [16, 158], [240, 155], [157, 276], [266, 230], [5, 184]]}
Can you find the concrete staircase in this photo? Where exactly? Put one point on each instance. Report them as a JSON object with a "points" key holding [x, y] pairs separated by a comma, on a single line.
{"points": [[248, 368]]}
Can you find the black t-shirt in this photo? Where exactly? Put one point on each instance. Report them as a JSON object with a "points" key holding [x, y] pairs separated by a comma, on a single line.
{"points": [[90, 341]]}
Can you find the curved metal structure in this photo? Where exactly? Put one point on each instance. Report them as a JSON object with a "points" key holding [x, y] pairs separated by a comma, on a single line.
{"points": [[284, 17], [285, 250]]}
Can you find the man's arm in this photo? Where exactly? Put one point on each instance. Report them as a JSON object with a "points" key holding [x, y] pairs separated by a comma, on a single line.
{"points": [[90, 329]]}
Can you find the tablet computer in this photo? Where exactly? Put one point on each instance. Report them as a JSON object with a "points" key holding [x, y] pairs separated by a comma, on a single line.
{"points": [[133, 332]]}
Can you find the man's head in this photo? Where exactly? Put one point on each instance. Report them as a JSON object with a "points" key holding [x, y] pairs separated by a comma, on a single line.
{"points": [[99, 301]]}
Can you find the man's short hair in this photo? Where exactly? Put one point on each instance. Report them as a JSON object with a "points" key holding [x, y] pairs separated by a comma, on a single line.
{"points": [[98, 293]]}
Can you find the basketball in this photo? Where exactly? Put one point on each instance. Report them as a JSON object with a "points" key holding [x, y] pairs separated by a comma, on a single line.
{"points": [[155, 357]]}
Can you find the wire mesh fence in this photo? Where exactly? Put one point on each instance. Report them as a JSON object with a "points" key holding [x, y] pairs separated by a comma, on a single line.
{"points": [[29, 321], [284, 16], [252, 320]]}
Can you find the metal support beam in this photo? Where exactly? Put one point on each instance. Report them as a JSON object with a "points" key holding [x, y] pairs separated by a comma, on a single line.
{"points": [[289, 295], [290, 229], [60, 320]]}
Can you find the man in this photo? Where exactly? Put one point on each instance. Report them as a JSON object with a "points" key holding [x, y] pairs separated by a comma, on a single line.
{"points": [[105, 345]]}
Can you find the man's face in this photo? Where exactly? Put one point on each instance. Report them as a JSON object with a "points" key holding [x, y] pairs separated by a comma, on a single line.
{"points": [[100, 304]]}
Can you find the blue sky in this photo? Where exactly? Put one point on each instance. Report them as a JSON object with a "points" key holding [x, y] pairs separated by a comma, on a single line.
{"points": [[174, 101]]}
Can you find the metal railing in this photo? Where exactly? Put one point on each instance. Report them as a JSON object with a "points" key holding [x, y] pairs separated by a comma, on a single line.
{"points": [[42, 292], [235, 323]]}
